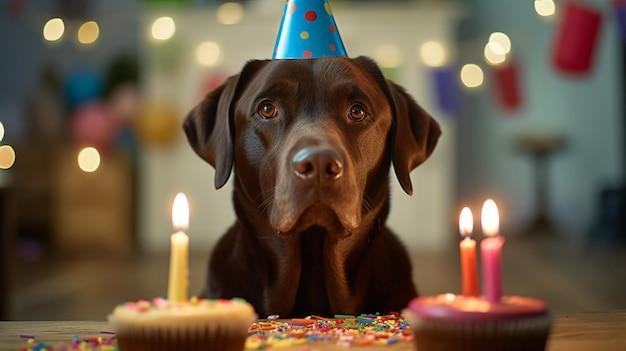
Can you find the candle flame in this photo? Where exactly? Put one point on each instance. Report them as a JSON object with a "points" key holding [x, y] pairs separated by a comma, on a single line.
{"points": [[490, 219], [466, 222], [180, 213]]}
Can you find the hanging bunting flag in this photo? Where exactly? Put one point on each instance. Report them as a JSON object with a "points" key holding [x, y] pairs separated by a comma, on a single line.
{"points": [[507, 85], [620, 14], [446, 82], [576, 38]]}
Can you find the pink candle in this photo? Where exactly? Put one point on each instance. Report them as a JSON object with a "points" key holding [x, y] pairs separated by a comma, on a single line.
{"points": [[467, 247], [491, 248]]}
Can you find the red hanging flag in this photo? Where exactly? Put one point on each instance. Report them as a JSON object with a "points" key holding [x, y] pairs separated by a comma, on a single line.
{"points": [[507, 85], [576, 37]]}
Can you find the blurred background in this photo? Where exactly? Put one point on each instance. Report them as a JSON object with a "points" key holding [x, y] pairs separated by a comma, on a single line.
{"points": [[529, 94]]}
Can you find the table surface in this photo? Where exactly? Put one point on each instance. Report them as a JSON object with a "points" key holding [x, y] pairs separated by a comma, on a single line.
{"points": [[604, 331]]}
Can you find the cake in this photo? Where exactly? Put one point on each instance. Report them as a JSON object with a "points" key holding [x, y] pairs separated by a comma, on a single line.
{"points": [[455, 322], [196, 324]]}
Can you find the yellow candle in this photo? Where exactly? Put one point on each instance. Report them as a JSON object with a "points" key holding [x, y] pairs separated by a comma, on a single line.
{"points": [[179, 251]]}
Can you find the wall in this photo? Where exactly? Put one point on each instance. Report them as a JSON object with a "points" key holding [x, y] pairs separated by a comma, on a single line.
{"points": [[587, 110], [424, 221]]}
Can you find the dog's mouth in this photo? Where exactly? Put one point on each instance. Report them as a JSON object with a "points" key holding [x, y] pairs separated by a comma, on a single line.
{"points": [[324, 217], [333, 215]]}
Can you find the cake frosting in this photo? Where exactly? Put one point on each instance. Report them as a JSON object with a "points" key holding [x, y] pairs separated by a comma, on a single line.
{"points": [[475, 308], [194, 313], [195, 324]]}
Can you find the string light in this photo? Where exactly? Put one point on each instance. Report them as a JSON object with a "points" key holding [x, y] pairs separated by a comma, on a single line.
{"points": [[7, 156], [545, 8], [88, 32], [89, 159], [433, 54], [53, 29], [208, 53], [501, 42], [163, 28], [388, 56], [472, 75], [494, 53], [230, 13]]}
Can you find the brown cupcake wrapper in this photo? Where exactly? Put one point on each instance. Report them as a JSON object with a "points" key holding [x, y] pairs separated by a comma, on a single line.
{"points": [[524, 334], [168, 339]]}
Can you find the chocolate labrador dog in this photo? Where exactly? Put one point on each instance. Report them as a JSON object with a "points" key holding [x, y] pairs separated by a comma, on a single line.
{"points": [[310, 143]]}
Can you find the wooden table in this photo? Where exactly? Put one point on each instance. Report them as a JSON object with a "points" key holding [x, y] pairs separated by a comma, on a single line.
{"points": [[579, 332]]}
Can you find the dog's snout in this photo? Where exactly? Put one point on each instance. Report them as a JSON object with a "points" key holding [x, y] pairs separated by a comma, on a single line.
{"points": [[317, 165]]}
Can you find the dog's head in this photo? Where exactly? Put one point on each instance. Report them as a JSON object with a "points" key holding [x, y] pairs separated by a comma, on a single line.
{"points": [[312, 140]]}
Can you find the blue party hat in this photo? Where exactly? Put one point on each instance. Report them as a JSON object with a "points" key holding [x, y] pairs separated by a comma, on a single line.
{"points": [[308, 30]]}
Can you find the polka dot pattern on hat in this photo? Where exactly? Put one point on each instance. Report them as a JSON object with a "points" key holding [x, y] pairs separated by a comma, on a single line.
{"points": [[308, 30]]}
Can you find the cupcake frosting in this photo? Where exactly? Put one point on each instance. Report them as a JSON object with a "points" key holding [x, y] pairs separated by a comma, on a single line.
{"points": [[459, 307], [194, 313]]}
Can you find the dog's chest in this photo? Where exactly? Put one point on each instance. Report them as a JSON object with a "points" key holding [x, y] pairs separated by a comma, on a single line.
{"points": [[312, 298]]}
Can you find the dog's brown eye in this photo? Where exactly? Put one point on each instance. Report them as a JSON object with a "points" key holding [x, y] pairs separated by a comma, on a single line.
{"points": [[267, 110], [357, 112]]}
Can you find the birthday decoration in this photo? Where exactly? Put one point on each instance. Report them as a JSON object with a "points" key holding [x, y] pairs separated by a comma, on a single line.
{"points": [[576, 38], [308, 30], [82, 86], [620, 14], [446, 82], [93, 125], [157, 123], [506, 83]]}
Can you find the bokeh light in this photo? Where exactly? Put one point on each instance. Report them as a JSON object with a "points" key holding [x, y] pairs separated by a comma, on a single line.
{"points": [[89, 159], [53, 29], [208, 53], [433, 54], [388, 56], [163, 28], [494, 53], [1, 131], [472, 75], [545, 8], [230, 13], [7, 156], [88, 32], [500, 41]]}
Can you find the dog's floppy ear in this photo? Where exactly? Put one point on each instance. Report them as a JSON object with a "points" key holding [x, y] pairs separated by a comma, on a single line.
{"points": [[209, 126], [208, 129], [416, 134]]}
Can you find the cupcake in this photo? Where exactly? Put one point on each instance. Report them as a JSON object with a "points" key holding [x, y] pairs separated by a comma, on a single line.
{"points": [[196, 324], [449, 322]]}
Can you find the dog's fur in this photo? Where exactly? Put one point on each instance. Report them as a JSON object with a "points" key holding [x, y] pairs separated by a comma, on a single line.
{"points": [[311, 184]]}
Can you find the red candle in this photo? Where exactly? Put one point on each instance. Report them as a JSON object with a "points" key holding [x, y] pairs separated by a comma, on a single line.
{"points": [[491, 248], [467, 246]]}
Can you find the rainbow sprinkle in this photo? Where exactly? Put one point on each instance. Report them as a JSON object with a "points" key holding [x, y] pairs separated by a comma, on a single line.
{"points": [[77, 344], [343, 330]]}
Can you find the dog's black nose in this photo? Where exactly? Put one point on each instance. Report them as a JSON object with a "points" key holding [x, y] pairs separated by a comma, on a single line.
{"points": [[317, 165]]}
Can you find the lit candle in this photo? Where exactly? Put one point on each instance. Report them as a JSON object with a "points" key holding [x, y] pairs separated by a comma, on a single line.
{"points": [[467, 246], [179, 250], [491, 247]]}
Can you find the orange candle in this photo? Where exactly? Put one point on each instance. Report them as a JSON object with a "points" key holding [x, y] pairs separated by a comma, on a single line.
{"points": [[467, 246]]}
